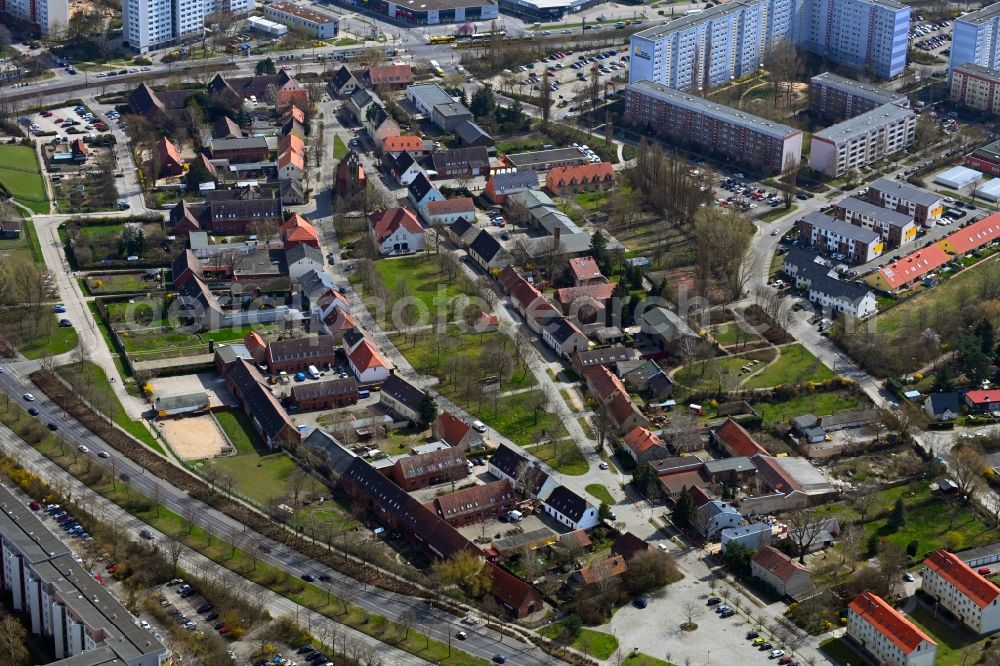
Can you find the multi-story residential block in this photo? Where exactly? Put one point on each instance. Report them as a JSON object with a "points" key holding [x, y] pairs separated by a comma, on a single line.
{"points": [[885, 634], [862, 140], [895, 229], [697, 122], [61, 600], [976, 39], [315, 24], [924, 207], [731, 40], [976, 87], [970, 597], [47, 16], [837, 98], [152, 24], [835, 236]]}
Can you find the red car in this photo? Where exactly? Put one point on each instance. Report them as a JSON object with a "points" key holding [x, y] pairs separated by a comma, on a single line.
{"points": [[785, 660], [113, 568], [34, 506], [224, 629], [985, 571]]}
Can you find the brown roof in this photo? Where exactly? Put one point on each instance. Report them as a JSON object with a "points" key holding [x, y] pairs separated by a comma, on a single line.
{"points": [[737, 441], [386, 222], [603, 382], [384, 74], [338, 386], [584, 268], [454, 205], [675, 482], [602, 570], [889, 622], [308, 346], [970, 583], [510, 590], [471, 500], [641, 439], [621, 408], [629, 545], [451, 429], [434, 461], [598, 292], [779, 564]]}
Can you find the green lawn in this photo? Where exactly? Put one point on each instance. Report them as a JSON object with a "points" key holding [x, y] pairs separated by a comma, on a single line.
{"points": [[101, 230], [709, 375], [259, 474], [93, 378], [600, 492], [120, 282], [644, 660], [51, 342], [339, 148], [595, 644], [591, 200], [777, 212], [795, 366], [941, 298], [842, 652], [564, 456], [420, 276], [952, 641], [927, 525], [233, 334], [818, 404], [731, 334], [19, 173], [25, 247]]}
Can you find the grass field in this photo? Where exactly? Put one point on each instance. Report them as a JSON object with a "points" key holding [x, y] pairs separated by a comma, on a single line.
{"points": [[841, 652], [233, 334], [259, 474], [952, 642], [23, 248], [564, 456], [713, 373], [731, 334], [644, 660], [818, 403], [795, 366], [19, 172], [928, 524], [776, 213], [93, 377], [600, 492], [52, 340], [339, 148], [120, 282], [595, 644], [940, 299], [424, 281]]}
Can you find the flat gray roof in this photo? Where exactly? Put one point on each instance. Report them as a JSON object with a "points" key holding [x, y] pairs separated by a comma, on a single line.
{"points": [[704, 107], [853, 127], [824, 221], [19, 526], [871, 210], [978, 70], [981, 16], [430, 94], [807, 476], [544, 156], [858, 88]]}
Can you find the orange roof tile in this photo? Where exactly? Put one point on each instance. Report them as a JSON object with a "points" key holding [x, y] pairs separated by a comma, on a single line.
{"points": [[974, 236], [579, 173], [621, 408], [366, 357], [738, 441], [395, 144], [383, 74], [386, 222], [970, 583], [291, 142], [914, 265], [889, 622], [166, 150], [451, 428], [584, 268], [641, 439], [604, 382]]}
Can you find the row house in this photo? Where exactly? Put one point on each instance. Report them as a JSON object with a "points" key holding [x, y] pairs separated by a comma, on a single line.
{"points": [[926, 208], [402, 398], [896, 229], [529, 302], [564, 337], [430, 469], [449, 210], [477, 504], [827, 233], [970, 597], [266, 414], [326, 394], [590, 177]]}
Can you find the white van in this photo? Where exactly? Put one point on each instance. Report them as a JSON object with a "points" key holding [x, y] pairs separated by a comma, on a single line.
{"points": [[479, 426], [313, 372]]}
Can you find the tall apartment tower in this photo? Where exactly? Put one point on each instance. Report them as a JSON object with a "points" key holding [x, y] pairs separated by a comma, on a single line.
{"points": [[47, 16], [976, 39], [153, 24], [731, 40]]}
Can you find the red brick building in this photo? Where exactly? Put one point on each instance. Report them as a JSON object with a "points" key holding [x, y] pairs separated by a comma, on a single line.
{"points": [[328, 394], [429, 469], [476, 504]]}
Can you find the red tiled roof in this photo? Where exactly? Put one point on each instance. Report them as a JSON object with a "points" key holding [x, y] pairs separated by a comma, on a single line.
{"points": [[297, 229], [395, 144], [451, 428], [386, 222], [970, 583], [914, 265], [889, 622], [675, 482], [641, 439], [621, 408], [603, 569], [603, 382], [584, 268], [598, 292], [629, 545], [390, 74], [980, 396], [975, 235], [455, 205], [511, 590], [778, 563], [166, 150], [80, 148], [473, 499], [291, 157], [366, 357], [579, 172], [699, 496], [290, 141], [295, 113], [738, 441]]}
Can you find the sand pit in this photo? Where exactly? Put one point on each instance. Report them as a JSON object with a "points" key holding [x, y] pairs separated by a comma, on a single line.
{"points": [[194, 437]]}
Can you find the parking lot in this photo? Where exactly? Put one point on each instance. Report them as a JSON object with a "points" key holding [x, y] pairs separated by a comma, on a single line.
{"points": [[66, 123], [931, 37]]}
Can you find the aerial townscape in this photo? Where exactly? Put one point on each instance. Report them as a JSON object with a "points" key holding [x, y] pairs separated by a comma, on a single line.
{"points": [[473, 332]]}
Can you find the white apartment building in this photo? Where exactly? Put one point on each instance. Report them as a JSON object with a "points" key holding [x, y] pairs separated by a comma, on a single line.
{"points": [[886, 635], [976, 87], [969, 596], [152, 24], [61, 600], [896, 229], [48, 16], [860, 245], [862, 140]]}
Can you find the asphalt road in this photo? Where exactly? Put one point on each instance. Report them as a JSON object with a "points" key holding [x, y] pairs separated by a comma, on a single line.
{"points": [[435, 623]]}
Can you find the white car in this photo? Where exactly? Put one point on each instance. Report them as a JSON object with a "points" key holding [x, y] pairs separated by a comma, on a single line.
{"points": [[83, 449], [776, 653], [29, 397], [603, 465]]}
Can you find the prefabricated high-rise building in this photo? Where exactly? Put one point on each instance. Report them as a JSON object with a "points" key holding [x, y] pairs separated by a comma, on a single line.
{"points": [[151, 24]]}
